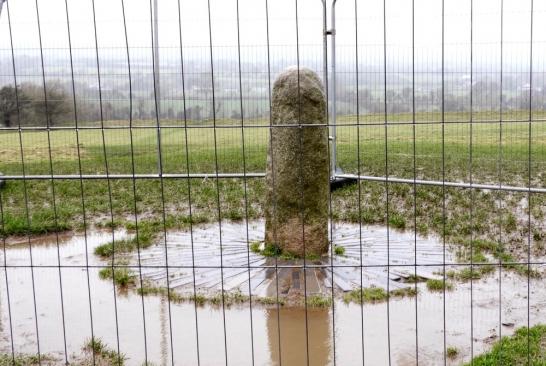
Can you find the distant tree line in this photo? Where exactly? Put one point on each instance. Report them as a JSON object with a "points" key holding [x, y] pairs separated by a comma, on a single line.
{"points": [[485, 97], [31, 105], [28, 104]]}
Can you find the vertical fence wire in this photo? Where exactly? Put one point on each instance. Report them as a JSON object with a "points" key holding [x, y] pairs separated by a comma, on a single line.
{"points": [[444, 214], [245, 191], [470, 175], [161, 182], [25, 189], [529, 201], [110, 200], [80, 171], [54, 201], [500, 170], [213, 99], [188, 181], [414, 152], [301, 187], [273, 181], [386, 157]]}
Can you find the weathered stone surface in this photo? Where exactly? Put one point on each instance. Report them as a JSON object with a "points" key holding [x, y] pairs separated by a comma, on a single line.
{"points": [[297, 175]]}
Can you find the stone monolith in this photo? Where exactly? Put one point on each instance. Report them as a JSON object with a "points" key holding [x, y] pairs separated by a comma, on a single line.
{"points": [[297, 175]]}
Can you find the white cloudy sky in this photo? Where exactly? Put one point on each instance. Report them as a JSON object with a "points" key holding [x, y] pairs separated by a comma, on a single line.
{"points": [[428, 24]]}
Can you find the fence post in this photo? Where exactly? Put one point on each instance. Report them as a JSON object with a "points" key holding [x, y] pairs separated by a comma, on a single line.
{"points": [[299, 150]]}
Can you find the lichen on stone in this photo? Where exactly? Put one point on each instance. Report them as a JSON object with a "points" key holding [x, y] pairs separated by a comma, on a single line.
{"points": [[297, 175]]}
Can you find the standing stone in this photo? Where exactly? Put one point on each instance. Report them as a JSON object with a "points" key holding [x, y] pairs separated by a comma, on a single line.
{"points": [[297, 175]]}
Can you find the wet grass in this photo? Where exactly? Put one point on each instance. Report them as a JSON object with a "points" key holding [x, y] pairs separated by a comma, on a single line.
{"points": [[318, 301], [255, 247], [93, 352], [373, 295], [229, 299], [269, 300], [102, 353], [476, 216], [124, 246], [435, 285], [452, 352], [526, 347], [339, 250], [123, 277], [414, 279], [271, 250], [22, 359]]}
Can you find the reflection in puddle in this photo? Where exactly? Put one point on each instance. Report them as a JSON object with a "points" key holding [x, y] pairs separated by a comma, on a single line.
{"points": [[150, 327], [302, 336]]}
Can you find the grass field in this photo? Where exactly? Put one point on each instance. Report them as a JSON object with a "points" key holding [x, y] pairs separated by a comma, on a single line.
{"points": [[498, 219], [525, 347]]}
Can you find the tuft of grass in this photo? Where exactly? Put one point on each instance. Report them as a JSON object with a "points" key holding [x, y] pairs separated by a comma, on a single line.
{"points": [[404, 292], [436, 285], [229, 298], [237, 298], [470, 273], [269, 300], [123, 277], [318, 301], [526, 344], [521, 269], [339, 250], [41, 221], [199, 299], [498, 251], [7, 359], [414, 279], [109, 224], [311, 257], [105, 354], [255, 247], [366, 295], [271, 250], [372, 295], [142, 241], [452, 352], [161, 291], [397, 221]]}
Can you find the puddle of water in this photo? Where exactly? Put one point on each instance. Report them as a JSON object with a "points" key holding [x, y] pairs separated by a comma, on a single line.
{"points": [[144, 327], [204, 248]]}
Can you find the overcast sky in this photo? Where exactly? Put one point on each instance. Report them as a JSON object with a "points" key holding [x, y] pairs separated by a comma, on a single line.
{"points": [[282, 24]]}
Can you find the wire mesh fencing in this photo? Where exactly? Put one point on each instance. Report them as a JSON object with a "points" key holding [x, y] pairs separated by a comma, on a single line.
{"points": [[135, 139]]}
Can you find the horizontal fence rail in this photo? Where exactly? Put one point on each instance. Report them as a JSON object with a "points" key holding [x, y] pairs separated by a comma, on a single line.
{"points": [[262, 175]]}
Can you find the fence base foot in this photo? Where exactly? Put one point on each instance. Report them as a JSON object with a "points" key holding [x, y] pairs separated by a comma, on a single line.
{"points": [[340, 182]]}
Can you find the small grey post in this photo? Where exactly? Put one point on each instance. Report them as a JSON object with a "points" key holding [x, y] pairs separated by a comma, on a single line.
{"points": [[297, 178]]}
